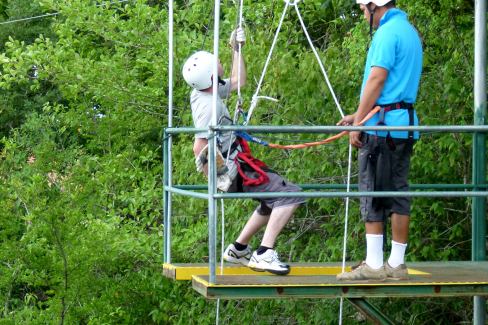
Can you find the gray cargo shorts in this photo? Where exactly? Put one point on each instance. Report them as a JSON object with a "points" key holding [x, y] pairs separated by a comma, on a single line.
{"points": [[384, 166], [276, 184]]}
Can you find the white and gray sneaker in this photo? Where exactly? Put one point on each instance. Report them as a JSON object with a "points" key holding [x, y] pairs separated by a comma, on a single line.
{"points": [[232, 255], [268, 261]]}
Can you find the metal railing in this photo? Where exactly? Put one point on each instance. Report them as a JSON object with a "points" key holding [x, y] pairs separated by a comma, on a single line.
{"points": [[475, 190]]}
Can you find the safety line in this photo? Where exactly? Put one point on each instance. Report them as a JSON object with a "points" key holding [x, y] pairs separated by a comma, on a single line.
{"points": [[268, 59], [344, 245], [222, 243], [52, 14], [325, 141], [319, 61], [239, 103]]}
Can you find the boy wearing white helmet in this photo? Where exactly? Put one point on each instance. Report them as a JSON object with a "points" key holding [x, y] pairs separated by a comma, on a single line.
{"points": [[391, 80], [238, 175]]}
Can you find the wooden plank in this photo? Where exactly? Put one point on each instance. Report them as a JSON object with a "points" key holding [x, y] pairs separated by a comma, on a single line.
{"points": [[439, 279], [182, 271]]}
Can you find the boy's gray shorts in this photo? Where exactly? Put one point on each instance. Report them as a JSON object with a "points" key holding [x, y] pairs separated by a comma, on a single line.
{"points": [[384, 169], [276, 184]]}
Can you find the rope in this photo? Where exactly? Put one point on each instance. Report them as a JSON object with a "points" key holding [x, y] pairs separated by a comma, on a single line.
{"points": [[344, 245], [255, 97], [239, 98], [50, 14], [317, 143], [318, 60], [268, 59], [239, 103], [222, 244]]}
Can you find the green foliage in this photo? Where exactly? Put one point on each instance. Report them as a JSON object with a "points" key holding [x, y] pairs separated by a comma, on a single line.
{"points": [[80, 159]]}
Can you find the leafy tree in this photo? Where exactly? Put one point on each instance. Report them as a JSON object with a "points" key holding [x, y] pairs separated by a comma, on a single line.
{"points": [[80, 171]]}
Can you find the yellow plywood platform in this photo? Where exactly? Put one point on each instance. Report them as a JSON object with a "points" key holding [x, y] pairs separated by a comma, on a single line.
{"points": [[184, 271], [426, 279]]}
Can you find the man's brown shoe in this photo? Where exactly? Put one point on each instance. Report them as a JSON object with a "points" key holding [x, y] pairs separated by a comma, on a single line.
{"points": [[363, 272], [396, 273]]}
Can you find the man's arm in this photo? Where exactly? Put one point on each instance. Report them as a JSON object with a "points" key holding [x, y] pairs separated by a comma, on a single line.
{"points": [[372, 91]]}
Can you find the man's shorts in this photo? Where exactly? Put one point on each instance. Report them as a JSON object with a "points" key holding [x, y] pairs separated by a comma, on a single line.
{"points": [[276, 184], [384, 166]]}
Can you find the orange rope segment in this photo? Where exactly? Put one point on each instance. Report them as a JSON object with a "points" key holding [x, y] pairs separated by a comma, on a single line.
{"points": [[325, 141]]}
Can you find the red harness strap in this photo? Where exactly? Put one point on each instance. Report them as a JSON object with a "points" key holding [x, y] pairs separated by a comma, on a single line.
{"points": [[256, 164]]}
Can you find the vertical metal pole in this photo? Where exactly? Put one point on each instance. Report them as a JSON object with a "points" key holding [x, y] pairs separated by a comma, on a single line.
{"points": [[479, 151], [168, 181], [212, 189], [166, 243]]}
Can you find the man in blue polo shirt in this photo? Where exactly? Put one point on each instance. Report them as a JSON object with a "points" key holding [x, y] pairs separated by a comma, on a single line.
{"points": [[391, 81]]}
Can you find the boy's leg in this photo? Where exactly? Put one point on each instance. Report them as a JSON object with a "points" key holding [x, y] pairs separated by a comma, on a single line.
{"points": [[265, 258], [277, 220], [253, 225]]}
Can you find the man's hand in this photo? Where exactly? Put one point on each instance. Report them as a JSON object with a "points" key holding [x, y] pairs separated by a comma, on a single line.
{"points": [[354, 136], [355, 139], [347, 120], [238, 36]]}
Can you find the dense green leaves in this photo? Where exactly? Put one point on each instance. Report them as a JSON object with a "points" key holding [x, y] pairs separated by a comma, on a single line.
{"points": [[83, 100]]}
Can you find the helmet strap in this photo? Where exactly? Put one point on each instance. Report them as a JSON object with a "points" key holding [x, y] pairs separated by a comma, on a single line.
{"points": [[371, 18], [221, 81]]}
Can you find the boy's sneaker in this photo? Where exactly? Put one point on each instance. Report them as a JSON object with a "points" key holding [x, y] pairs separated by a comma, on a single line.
{"points": [[396, 273], [232, 255], [363, 272], [268, 261]]}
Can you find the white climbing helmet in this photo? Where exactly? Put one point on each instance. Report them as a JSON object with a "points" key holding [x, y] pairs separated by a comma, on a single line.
{"points": [[197, 70], [379, 3]]}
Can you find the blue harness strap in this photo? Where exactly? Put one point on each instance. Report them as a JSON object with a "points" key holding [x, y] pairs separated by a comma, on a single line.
{"points": [[246, 136]]}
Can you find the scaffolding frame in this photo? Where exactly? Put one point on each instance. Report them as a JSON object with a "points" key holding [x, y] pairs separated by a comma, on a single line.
{"points": [[478, 129]]}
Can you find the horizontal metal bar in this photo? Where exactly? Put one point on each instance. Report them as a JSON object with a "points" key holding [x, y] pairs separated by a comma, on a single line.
{"points": [[332, 128], [351, 194], [186, 193], [355, 186]]}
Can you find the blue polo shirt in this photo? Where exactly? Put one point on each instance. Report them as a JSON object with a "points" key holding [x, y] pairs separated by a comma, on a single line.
{"points": [[396, 47]]}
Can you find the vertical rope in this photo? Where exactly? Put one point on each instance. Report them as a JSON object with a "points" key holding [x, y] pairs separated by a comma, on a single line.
{"points": [[344, 244], [239, 98], [268, 59], [222, 243], [318, 60]]}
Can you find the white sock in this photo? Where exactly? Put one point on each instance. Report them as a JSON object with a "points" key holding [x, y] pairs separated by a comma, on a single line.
{"points": [[397, 256], [374, 251]]}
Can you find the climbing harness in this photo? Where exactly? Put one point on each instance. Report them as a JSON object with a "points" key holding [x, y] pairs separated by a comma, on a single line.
{"points": [[394, 106], [246, 162]]}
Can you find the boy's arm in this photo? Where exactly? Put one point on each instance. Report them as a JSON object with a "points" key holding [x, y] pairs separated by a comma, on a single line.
{"points": [[238, 37]]}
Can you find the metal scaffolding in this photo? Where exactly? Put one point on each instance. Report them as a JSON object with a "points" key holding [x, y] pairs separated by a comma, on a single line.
{"points": [[477, 190]]}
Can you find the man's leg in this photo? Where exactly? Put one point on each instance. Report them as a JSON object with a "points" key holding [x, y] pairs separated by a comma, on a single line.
{"points": [[374, 244], [277, 220], [399, 228], [400, 218], [253, 225], [372, 268]]}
